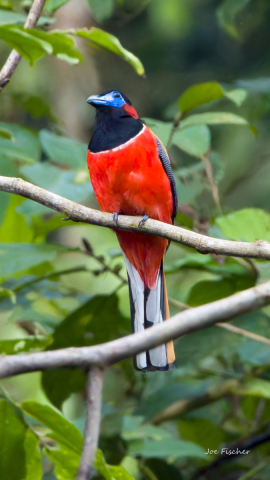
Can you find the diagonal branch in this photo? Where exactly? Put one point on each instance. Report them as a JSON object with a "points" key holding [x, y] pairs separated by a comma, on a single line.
{"points": [[78, 213], [14, 58], [112, 352], [91, 432]]}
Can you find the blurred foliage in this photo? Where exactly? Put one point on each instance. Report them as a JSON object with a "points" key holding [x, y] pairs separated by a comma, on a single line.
{"points": [[205, 95]]}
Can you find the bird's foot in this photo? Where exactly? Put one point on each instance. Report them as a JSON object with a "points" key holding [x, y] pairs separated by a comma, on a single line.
{"points": [[115, 217], [143, 220]]}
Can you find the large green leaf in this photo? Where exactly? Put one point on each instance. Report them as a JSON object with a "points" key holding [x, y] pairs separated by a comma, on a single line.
{"points": [[194, 140], [203, 93], [110, 42], [83, 327], [249, 225], [66, 462], [64, 150], [5, 133], [19, 456], [25, 43], [62, 431], [34, 44], [63, 45], [17, 257], [110, 472], [25, 147], [66, 183]]}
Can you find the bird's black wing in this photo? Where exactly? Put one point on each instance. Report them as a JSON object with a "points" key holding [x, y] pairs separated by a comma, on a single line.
{"points": [[168, 169]]}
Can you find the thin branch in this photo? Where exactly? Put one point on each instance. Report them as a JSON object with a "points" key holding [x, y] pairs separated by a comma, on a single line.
{"points": [[106, 268], [125, 347], [210, 176], [226, 326], [181, 407], [78, 213], [92, 423], [14, 58]]}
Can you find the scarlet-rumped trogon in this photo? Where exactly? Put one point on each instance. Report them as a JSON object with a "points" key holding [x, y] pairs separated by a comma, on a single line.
{"points": [[131, 175]]}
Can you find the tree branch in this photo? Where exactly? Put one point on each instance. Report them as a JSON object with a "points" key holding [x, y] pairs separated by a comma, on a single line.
{"points": [[78, 213], [91, 432], [112, 352], [14, 58]]}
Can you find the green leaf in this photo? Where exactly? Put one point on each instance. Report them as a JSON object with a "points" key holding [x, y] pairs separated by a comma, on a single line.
{"points": [[213, 118], [110, 42], [110, 472], [52, 5], [34, 44], [211, 290], [64, 150], [81, 328], [191, 260], [101, 10], [201, 431], [194, 140], [199, 94], [237, 96], [203, 93], [248, 225], [67, 183], [17, 442], [66, 462], [7, 17], [161, 129], [14, 228], [27, 344], [25, 43], [62, 431], [6, 170], [5, 133], [62, 45], [256, 387], [166, 448], [32, 457], [226, 14], [25, 148], [5, 292], [17, 257]]}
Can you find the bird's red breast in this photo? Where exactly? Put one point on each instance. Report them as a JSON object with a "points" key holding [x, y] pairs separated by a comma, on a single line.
{"points": [[130, 179]]}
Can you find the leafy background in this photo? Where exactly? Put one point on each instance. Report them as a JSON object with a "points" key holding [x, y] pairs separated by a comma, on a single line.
{"points": [[198, 74]]}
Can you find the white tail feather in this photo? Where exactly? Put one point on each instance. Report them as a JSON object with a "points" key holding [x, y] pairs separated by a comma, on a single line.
{"points": [[154, 314]]}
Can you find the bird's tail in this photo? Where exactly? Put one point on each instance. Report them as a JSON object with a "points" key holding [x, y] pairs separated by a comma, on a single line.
{"points": [[149, 307]]}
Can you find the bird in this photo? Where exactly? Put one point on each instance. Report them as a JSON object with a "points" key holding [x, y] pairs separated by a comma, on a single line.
{"points": [[131, 174]]}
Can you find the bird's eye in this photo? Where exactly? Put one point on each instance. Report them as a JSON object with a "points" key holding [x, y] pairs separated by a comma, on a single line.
{"points": [[116, 95]]}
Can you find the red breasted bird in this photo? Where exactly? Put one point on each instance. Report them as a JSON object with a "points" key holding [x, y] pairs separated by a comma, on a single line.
{"points": [[131, 175]]}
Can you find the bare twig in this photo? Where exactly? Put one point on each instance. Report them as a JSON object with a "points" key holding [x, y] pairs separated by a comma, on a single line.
{"points": [[106, 354], [14, 58], [209, 174], [91, 432], [226, 326], [181, 407], [78, 213], [106, 268]]}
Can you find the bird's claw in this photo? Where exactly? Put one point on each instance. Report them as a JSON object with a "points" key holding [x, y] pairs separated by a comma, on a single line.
{"points": [[143, 220], [115, 218]]}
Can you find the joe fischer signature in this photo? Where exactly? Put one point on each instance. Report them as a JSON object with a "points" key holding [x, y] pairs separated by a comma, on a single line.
{"points": [[227, 451]]}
